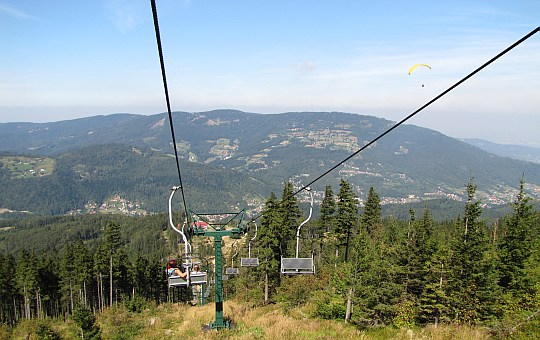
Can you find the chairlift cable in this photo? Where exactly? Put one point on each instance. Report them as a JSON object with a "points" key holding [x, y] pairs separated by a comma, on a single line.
{"points": [[508, 49], [167, 100]]}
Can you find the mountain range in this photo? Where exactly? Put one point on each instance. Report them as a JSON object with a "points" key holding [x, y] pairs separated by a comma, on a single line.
{"points": [[521, 152], [233, 159]]}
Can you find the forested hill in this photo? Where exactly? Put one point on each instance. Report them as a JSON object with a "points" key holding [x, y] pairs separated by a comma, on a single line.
{"points": [[117, 178], [237, 158]]}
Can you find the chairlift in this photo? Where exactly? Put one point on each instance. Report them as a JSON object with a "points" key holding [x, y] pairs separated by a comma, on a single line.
{"points": [[192, 278], [232, 270], [299, 265], [250, 261]]}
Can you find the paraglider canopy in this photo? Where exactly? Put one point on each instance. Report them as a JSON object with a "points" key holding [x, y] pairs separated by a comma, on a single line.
{"points": [[417, 65]]}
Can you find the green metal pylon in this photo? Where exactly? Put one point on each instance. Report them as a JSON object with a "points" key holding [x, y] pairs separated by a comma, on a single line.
{"points": [[219, 322]]}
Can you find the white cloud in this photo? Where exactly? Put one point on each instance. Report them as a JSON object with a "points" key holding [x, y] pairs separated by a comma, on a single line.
{"points": [[126, 15], [16, 13]]}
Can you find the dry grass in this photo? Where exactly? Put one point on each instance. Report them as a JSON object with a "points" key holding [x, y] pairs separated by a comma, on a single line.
{"points": [[269, 322], [174, 321], [180, 321]]}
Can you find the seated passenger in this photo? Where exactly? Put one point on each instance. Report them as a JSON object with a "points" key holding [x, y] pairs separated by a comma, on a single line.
{"points": [[173, 270]]}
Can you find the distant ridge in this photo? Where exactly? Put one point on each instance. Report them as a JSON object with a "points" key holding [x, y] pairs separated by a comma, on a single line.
{"points": [[520, 152], [237, 158]]}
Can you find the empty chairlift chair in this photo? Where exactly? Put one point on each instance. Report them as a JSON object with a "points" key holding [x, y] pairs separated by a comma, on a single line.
{"points": [[299, 265], [232, 270], [250, 261]]}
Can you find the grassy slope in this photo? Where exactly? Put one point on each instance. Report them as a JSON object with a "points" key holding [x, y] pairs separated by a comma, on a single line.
{"points": [[174, 321]]}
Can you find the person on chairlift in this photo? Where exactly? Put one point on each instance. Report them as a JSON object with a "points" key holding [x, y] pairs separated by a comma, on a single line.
{"points": [[196, 289], [173, 270]]}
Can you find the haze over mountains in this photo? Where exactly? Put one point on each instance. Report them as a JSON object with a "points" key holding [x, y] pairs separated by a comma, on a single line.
{"points": [[521, 152], [235, 159]]}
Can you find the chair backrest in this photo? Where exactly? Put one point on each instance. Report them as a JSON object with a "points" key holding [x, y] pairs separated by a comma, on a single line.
{"points": [[293, 266], [231, 271], [198, 278], [249, 261]]}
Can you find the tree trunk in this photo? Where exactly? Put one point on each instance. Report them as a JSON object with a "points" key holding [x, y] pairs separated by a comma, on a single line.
{"points": [[26, 304], [110, 283], [266, 288], [71, 296], [38, 304], [348, 311], [100, 292], [84, 294], [347, 245], [15, 314]]}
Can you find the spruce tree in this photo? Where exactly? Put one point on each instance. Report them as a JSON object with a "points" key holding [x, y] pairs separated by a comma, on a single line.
{"points": [[269, 246], [7, 289], [346, 218], [372, 215], [289, 213], [473, 283], [27, 281], [417, 251], [326, 218], [515, 246]]}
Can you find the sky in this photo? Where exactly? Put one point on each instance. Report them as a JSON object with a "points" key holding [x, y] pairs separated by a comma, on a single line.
{"points": [[62, 60]]}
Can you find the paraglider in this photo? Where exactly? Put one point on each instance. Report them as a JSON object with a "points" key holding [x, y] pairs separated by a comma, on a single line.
{"points": [[418, 65]]}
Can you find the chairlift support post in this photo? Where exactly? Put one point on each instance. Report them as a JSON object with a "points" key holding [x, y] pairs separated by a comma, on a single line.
{"points": [[296, 266], [219, 231]]}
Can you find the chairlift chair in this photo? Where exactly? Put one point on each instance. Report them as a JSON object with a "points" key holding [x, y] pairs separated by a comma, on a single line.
{"points": [[232, 270], [250, 261], [299, 265], [193, 278]]}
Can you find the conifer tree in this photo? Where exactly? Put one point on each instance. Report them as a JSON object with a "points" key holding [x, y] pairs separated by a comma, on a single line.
{"points": [[372, 215], [515, 247], [269, 246], [328, 210], [473, 282], [429, 277], [346, 218], [83, 264], [417, 251], [289, 213], [109, 261], [68, 275], [48, 294], [326, 218], [7, 289]]}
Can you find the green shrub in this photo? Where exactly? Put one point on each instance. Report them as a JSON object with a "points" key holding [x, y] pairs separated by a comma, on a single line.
{"points": [[329, 305], [136, 304], [86, 320], [45, 332]]}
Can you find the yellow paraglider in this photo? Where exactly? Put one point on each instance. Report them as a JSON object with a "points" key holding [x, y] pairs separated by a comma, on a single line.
{"points": [[417, 65]]}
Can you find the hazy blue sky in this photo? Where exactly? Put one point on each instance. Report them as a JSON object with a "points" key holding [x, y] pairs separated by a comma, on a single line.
{"points": [[68, 59]]}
